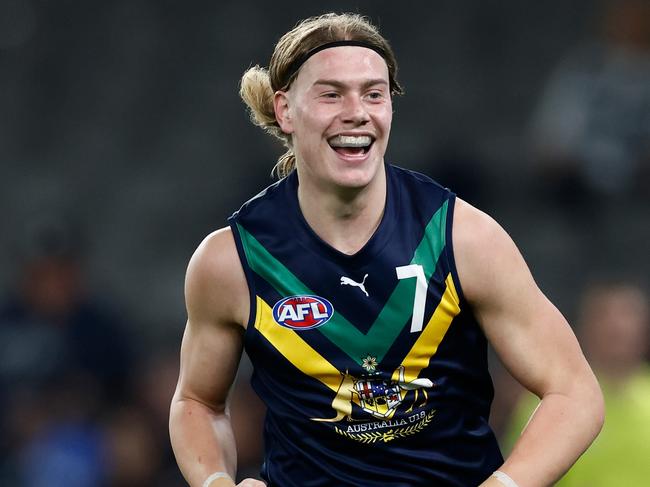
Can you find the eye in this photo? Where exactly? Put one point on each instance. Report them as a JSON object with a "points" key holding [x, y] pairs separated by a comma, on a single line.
{"points": [[330, 95], [375, 95]]}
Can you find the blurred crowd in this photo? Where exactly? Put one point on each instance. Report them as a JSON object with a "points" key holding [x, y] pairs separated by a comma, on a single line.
{"points": [[84, 396], [81, 402]]}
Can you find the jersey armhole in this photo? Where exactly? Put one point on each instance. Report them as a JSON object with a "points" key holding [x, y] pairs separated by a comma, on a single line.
{"points": [[241, 251], [449, 247]]}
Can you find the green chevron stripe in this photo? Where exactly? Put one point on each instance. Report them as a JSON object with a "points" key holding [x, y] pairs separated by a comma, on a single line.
{"points": [[339, 330]]}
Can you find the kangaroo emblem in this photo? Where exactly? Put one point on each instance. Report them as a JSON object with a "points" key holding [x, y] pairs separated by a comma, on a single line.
{"points": [[346, 281]]}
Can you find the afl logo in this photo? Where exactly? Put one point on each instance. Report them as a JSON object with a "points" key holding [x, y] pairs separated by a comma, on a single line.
{"points": [[302, 312]]}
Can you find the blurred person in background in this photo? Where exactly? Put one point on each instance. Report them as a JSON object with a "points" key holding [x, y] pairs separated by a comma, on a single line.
{"points": [[400, 394], [63, 356], [591, 130], [133, 453], [614, 329], [140, 451]]}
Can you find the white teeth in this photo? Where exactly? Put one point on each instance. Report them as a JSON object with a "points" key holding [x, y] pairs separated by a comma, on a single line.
{"points": [[350, 141]]}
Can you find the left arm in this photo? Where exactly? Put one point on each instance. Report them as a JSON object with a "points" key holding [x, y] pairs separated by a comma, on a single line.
{"points": [[536, 345]]}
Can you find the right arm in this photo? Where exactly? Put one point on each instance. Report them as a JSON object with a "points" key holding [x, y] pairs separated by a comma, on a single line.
{"points": [[217, 301]]}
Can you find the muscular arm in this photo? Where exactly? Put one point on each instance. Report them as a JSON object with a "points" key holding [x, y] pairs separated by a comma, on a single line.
{"points": [[217, 307], [536, 345]]}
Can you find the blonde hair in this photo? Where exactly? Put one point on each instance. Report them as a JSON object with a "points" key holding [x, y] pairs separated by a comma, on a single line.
{"points": [[258, 84]]}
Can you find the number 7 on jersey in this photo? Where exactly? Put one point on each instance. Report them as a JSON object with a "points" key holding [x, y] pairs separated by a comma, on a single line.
{"points": [[419, 300]]}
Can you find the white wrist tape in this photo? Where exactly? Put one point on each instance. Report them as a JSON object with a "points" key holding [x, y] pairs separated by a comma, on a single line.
{"points": [[215, 476], [504, 478]]}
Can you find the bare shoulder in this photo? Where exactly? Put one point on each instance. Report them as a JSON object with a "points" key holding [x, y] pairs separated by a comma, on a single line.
{"points": [[471, 225], [484, 252], [215, 284]]}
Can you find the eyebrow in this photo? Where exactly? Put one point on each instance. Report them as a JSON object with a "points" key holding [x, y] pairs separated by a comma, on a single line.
{"points": [[340, 84]]}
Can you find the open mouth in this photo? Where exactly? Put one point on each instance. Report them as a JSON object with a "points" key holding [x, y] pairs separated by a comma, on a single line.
{"points": [[351, 145]]}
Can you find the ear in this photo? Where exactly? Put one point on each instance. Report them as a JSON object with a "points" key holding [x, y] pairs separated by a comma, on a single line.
{"points": [[282, 111]]}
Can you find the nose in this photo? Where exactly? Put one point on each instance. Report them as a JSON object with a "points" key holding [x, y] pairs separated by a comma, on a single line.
{"points": [[354, 111]]}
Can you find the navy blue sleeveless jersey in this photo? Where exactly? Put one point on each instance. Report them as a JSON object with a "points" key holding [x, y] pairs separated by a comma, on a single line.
{"points": [[372, 366]]}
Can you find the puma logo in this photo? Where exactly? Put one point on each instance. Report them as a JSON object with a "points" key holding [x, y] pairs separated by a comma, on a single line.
{"points": [[346, 281]]}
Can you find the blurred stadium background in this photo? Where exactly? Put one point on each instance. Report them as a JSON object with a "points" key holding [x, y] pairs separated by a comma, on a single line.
{"points": [[123, 143]]}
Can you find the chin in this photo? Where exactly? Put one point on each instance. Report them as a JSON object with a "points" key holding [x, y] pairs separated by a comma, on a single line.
{"points": [[357, 177], [356, 173]]}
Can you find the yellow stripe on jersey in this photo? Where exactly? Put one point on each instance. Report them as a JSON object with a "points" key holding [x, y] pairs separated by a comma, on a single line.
{"points": [[310, 362], [427, 343], [295, 349]]}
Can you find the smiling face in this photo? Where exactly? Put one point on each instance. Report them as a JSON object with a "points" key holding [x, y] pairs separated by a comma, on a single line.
{"points": [[338, 112]]}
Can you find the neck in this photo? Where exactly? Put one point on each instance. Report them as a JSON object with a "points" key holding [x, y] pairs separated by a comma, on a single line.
{"points": [[345, 218]]}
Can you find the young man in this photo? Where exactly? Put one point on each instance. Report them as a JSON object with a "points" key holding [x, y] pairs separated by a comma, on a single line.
{"points": [[365, 321]]}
